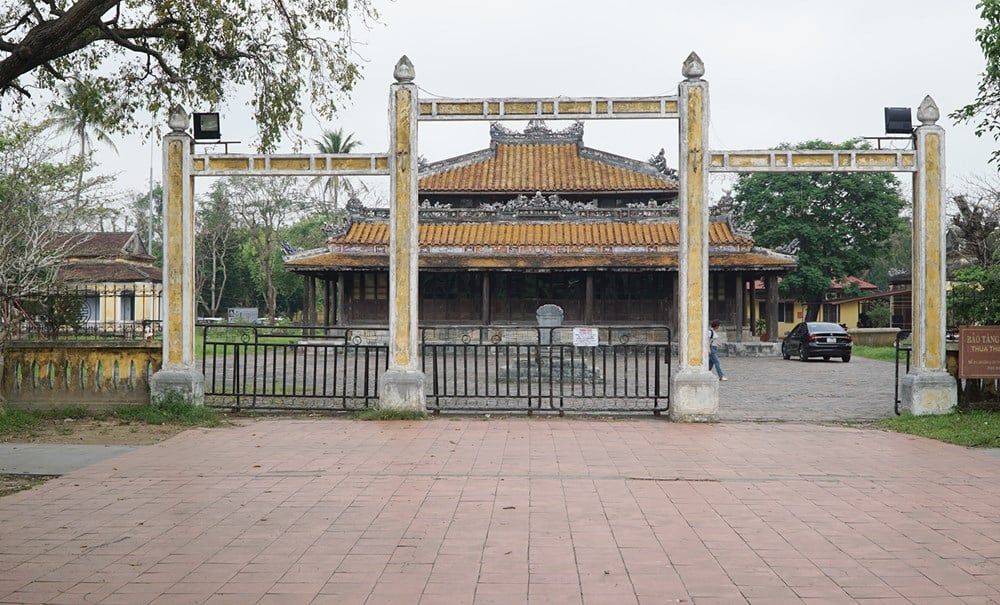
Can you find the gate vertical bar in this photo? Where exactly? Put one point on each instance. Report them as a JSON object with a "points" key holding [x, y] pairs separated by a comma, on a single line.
{"points": [[403, 383], [696, 390], [929, 389]]}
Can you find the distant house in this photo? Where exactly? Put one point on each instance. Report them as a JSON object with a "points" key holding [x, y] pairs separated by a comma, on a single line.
{"points": [[836, 307], [114, 276]]}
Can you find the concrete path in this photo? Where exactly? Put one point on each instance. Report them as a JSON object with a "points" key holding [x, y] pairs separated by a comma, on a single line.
{"points": [[48, 459], [542, 510], [771, 388]]}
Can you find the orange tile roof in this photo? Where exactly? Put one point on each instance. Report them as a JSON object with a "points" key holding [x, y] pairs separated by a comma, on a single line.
{"points": [[545, 167], [331, 261], [537, 245], [539, 234]]}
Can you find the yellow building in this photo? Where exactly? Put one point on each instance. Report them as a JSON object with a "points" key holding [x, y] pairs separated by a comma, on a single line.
{"points": [[114, 276]]}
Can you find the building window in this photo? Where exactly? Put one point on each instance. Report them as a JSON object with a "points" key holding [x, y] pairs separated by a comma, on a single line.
{"points": [[786, 311], [91, 308], [831, 313], [127, 306], [371, 286]]}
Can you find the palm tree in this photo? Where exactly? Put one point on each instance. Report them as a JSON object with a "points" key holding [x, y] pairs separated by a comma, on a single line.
{"points": [[335, 141], [84, 117]]}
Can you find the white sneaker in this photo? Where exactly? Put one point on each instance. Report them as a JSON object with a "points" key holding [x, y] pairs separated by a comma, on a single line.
{"points": [[723, 378]]}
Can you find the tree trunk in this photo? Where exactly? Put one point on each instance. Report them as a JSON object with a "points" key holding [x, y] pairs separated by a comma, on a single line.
{"points": [[812, 311]]}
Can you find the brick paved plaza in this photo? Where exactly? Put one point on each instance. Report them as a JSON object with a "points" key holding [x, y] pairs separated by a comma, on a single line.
{"points": [[513, 510]]}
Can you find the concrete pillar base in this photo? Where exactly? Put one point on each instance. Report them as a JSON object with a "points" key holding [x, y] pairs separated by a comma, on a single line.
{"points": [[402, 390], [929, 392], [695, 396], [188, 383]]}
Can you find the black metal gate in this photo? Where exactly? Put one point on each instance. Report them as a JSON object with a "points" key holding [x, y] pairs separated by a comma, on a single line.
{"points": [[467, 368]]}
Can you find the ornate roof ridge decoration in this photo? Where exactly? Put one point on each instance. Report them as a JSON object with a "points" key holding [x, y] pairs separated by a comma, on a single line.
{"points": [[536, 132], [669, 175], [536, 208]]}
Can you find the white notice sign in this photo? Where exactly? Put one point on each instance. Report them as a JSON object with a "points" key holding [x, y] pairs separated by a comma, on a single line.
{"points": [[586, 337]]}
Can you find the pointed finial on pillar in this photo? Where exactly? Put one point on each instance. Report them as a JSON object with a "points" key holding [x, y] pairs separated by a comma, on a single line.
{"points": [[693, 68], [178, 119], [404, 71], [928, 112]]}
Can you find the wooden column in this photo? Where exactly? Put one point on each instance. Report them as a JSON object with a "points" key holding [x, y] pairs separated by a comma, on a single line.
{"points": [[339, 310], [588, 299], [738, 279], [771, 306], [486, 302]]}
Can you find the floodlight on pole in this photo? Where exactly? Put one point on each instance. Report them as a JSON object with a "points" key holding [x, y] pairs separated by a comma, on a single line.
{"points": [[206, 126], [898, 120]]}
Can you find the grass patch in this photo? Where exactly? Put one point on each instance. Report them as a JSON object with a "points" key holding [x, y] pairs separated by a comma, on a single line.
{"points": [[880, 353], [389, 414], [15, 421], [175, 411], [11, 484], [975, 428]]}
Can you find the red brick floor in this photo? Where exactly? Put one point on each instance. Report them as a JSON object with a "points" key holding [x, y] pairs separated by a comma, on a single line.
{"points": [[521, 510]]}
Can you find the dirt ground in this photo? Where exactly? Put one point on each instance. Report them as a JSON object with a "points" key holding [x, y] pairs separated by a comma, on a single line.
{"points": [[83, 432], [95, 432]]}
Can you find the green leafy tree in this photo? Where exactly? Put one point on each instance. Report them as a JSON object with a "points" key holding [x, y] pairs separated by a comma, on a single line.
{"points": [[897, 256], [83, 115], [841, 222], [291, 54], [986, 107], [263, 206], [39, 202], [974, 298], [214, 247]]}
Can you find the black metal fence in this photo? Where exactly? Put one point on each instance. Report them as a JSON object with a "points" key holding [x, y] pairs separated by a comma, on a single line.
{"points": [[466, 368], [98, 311]]}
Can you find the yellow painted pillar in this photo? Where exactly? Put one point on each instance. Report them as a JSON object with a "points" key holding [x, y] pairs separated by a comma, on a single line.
{"points": [[695, 390], [179, 375], [402, 386], [929, 388]]}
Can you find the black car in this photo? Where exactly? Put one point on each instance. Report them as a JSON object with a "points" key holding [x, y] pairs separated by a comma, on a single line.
{"points": [[817, 339]]}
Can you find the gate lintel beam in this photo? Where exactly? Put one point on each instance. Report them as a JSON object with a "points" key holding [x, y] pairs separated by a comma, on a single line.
{"points": [[549, 108], [827, 160]]}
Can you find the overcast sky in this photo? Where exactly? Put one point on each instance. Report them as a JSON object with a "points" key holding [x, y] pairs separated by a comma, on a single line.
{"points": [[778, 71]]}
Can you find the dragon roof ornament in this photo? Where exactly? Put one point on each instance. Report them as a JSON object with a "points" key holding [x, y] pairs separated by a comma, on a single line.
{"points": [[537, 132]]}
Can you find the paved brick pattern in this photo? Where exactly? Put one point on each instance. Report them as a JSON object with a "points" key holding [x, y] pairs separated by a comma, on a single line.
{"points": [[543, 510]]}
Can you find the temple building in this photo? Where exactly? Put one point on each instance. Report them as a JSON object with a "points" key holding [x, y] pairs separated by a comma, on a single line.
{"points": [[537, 218]]}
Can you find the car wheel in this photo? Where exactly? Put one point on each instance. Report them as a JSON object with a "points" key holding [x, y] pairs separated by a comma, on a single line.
{"points": [[826, 358], [784, 353], [803, 355], [846, 358]]}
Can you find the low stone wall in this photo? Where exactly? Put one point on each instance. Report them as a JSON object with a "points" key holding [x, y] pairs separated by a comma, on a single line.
{"points": [[55, 374], [874, 337], [749, 349]]}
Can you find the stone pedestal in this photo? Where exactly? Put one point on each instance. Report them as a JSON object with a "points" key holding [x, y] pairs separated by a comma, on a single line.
{"points": [[929, 392], [402, 390], [695, 396], [186, 383]]}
